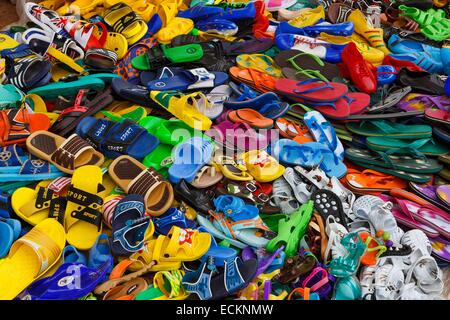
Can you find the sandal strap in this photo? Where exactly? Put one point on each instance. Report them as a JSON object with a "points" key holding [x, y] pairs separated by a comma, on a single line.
{"points": [[91, 210], [69, 151], [56, 204], [145, 182]]}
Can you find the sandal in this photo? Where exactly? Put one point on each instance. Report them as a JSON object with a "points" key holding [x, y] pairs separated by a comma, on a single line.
{"points": [[134, 178], [66, 154], [291, 230]]}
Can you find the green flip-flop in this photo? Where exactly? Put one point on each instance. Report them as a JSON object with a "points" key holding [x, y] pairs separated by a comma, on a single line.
{"points": [[414, 177], [291, 230], [413, 162], [384, 128], [425, 146], [70, 89], [160, 159], [160, 56]]}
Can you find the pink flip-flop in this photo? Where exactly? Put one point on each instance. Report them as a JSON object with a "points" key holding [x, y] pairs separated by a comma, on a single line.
{"points": [[404, 217], [438, 115]]}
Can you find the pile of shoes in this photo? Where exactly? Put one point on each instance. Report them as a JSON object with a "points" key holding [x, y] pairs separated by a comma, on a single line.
{"points": [[253, 150]]}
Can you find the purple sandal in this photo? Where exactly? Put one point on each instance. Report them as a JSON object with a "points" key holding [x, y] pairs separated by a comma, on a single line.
{"points": [[264, 259]]}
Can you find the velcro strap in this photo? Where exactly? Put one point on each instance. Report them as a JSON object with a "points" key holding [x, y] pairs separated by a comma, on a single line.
{"points": [[66, 154], [146, 181], [91, 206], [35, 166], [123, 135], [98, 132]]}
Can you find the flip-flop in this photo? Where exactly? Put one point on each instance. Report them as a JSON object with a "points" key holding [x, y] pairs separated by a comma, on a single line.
{"points": [[30, 257], [164, 129], [16, 125], [66, 154], [199, 78], [127, 291], [425, 146], [251, 117], [207, 177], [259, 62], [410, 163], [443, 193], [370, 181], [231, 169], [83, 218], [134, 178], [428, 192], [324, 132], [292, 153], [297, 64], [383, 128], [313, 90], [260, 81]]}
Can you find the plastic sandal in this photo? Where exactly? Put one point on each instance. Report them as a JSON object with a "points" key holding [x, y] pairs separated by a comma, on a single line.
{"points": [[129, 225], [47, 239], [115, 139], [299, 222], [262, 166], [66, 154], [134, 178], [188, 158], [133, 28], [184, 107]]}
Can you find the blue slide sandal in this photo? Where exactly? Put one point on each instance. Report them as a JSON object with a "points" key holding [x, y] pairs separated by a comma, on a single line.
{"points": [[193, 79], [9, 232], [188, 158], [71, 281], [114, 139]]}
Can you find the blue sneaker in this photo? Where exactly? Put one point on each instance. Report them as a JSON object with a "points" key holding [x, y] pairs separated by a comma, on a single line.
{"points": [[200, 12], [324, 50], [219, 26], [249, 12]]}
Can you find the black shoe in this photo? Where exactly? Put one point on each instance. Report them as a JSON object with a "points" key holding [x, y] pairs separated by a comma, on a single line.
{"points": [[197, 199], [419, 4]]}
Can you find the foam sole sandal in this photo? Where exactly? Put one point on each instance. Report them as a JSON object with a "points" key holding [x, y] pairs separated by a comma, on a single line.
{"points": [[134, 178], [66, 154]]}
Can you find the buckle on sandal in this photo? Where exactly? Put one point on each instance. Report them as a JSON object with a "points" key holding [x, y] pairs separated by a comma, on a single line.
{"points": [[263, 197], [251, 187]]}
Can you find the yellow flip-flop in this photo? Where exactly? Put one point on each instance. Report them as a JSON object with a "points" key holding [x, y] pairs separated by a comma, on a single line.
{"points": [[259, 62], [31, 257], [84, 200]]}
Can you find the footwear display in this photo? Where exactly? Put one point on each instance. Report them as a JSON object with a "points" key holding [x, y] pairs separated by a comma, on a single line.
{"points": [[225, 150]]}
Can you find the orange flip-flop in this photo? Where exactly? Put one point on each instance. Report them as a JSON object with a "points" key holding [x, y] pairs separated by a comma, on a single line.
{"points": [[257, 80], [400, 193], [17, 124], [373, 182], [292, 130], [252, 117]]}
